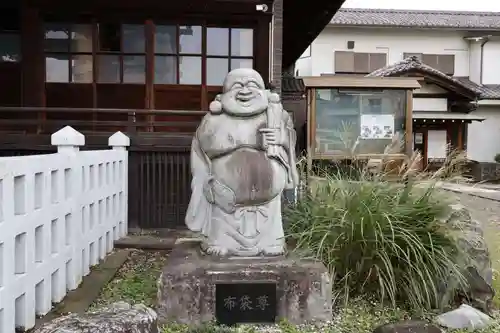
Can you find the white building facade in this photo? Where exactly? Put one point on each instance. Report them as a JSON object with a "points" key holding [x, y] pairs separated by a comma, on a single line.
{"points": [[454, 53]]}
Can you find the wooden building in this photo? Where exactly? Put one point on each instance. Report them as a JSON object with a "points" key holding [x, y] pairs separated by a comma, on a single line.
{"points": [[362, 118], [148, 68], [443, 107]]}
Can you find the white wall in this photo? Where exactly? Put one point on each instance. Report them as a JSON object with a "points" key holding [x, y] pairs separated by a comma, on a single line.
{"points": [[427, 88], [430, 104], [491, 63], [320, 56], [475, 61], [483, 138], [304, 63], [393, 42], [436, 145]]}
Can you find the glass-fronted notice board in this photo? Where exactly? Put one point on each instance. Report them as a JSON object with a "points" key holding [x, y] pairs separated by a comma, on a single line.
{"points": [[359, 121]]}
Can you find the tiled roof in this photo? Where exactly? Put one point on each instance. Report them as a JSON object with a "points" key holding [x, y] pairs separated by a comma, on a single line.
{"points": [[493, 91], [295, 85], [487, 91], [417, 18], [292, 85], [413, 64]]}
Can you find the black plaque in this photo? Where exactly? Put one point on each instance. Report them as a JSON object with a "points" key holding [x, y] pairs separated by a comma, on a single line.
{"points": [[245, 303]]}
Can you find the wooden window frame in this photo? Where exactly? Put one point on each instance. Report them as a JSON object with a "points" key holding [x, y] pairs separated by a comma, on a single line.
{"points": [[229, 56], [149, 51], [207, 92], [203, 55], [11, 27], [16, 34], [69, 52], [437, 57], [177, 54], [121, 54], [354, 70], [440, 57]]}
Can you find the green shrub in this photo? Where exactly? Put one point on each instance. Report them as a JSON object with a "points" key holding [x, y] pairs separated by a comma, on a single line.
{"points": [[497, 158], [379, 238]]}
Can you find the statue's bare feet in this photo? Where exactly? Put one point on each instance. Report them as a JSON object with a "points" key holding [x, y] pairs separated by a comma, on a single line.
{"points": [[274, 251], [216, 250]]}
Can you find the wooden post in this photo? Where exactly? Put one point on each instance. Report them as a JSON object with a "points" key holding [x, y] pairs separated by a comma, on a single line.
{"points": [[460, 141], [33, 60], [150, 62], [309, 125], [425, 157], [95, 71], [261, 47], [409, 123]]}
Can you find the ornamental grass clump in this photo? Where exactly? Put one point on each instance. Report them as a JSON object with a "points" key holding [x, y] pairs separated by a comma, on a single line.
{"points": [[379, 238]]}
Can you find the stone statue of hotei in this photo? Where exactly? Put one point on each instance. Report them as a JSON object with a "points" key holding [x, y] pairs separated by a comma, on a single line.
{"points": [[242, 158]]}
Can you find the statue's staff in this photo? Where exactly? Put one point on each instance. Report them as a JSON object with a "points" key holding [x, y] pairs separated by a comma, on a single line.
{"points": [[275, 124], [274, 121]]}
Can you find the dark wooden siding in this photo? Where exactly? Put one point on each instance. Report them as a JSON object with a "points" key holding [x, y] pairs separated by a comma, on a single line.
{"points": [[159, 189]]}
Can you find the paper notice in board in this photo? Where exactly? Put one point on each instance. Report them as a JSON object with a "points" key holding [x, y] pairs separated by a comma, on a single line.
{"points": [[379, 126]]}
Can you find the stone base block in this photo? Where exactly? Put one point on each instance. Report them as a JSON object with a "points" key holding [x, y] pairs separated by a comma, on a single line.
{"points": [[119, 317], [187, 286]]}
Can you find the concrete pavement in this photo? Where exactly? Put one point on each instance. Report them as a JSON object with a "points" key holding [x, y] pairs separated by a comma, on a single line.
{"points": [[484, 191]]}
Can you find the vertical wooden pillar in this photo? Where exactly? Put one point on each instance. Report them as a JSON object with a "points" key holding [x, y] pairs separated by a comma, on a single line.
{"points": [[277, 50], [261, 47], [460, 142], [95, 71], [33, 62], [425, 156], [409, 124], [308, 131], [311, 128], [150, 62], [449, 137]]}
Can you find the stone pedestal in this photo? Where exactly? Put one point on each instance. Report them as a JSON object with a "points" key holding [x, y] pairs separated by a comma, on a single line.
{"points": [[187, 286]]}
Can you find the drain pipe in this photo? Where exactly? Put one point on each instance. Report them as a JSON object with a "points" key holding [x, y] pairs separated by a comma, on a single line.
{"points": [[486, 40], [483, 40]]}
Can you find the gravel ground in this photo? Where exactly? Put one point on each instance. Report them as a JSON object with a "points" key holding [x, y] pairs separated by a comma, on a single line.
{"points": [[484, 210], [135, 282], [488, 213]]}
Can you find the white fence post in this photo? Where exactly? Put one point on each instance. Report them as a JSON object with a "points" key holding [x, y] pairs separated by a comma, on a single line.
{"points": [[37, 201], [68, 142], [119, 142], [59, 214]]}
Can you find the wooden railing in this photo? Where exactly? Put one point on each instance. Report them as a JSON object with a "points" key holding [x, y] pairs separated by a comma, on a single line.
{"points": [[160, 141], [45, 120]]}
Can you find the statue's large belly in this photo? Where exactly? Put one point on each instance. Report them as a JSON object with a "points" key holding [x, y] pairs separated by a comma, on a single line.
{"points": [[252, 176]]}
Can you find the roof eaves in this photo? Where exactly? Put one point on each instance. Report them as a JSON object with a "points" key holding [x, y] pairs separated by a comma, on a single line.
{"points": [[413, 64], [426, 19]]}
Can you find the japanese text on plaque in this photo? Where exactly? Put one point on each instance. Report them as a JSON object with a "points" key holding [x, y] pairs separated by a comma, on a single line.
{"points": [[246, 303]]}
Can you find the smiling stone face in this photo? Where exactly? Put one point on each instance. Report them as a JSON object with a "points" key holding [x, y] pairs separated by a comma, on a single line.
{"points": [[244, 93]]}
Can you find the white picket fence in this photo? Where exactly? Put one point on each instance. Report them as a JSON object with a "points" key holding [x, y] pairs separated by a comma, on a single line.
{"points": [[59, 214]]}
